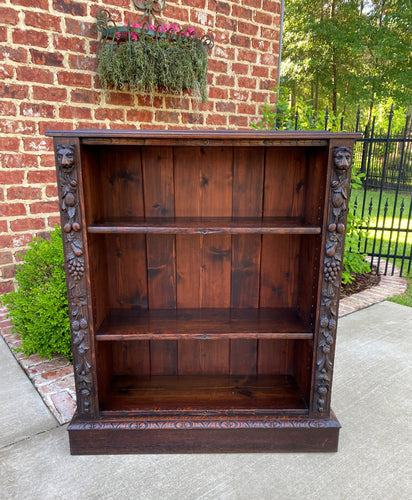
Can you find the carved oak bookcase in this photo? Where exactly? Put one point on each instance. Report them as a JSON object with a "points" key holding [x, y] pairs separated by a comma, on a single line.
{"points": [[203, 274]]}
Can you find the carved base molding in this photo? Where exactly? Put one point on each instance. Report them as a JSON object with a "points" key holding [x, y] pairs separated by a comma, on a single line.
{"points": [[190, 434]]}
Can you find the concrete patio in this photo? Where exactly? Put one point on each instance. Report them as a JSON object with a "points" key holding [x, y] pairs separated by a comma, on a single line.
{"points": [[371, 399]]}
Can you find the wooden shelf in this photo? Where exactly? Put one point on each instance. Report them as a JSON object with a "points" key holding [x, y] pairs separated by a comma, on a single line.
{"points": [[205, 393], [204, 225], [132, 324]]}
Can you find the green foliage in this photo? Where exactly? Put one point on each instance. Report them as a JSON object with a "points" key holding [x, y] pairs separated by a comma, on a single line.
{"points": [[39, 308], [147, 64], [346, 52], [282, 116], [354, 261]]}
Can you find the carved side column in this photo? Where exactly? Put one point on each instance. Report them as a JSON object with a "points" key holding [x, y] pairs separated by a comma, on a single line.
{"points": [[67, 156], [331, 277]]}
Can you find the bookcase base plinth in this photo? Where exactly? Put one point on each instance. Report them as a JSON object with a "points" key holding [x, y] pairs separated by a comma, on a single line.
{"points": [[223, 434]]}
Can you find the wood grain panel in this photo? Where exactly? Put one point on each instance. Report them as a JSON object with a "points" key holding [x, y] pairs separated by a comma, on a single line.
{"points": [[203, 357], [121, 181], [215, 274], [188, 265], [158, 181], [243, 357], [275, 357], [248, 181], [131, 358], [245, 277], [316, 185], [279, 271], [285, 177], [126, 271], [203, 180], [202, 393], [98, 276], [248, 170], [163, 357], [161, 271]]}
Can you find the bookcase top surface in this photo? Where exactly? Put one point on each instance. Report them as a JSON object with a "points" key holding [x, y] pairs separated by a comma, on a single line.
{"points": [[215, 135]]}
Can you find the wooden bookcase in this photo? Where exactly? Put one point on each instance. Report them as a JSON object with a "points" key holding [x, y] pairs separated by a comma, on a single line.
{"points": [[203, 273]]}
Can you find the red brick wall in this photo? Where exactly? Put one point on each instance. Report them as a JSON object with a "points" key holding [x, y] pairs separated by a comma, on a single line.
{"points": [[48, 81]]}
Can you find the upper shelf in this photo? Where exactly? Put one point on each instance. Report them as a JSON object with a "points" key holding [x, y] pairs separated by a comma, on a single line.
{"points": [[204, 225]]}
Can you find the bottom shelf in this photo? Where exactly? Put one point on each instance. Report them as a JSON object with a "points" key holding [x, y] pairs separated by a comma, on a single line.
{"points": [[204, 394]]}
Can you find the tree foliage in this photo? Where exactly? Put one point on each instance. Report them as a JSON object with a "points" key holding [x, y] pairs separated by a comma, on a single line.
{"points": [[345, 52]]}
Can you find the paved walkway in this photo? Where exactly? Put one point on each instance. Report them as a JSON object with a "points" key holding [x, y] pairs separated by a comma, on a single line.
{"points": [[372, 381], [54, 380]]}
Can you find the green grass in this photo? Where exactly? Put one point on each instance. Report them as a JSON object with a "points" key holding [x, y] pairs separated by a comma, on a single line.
{"points": [[388, 242], [404, 299]]}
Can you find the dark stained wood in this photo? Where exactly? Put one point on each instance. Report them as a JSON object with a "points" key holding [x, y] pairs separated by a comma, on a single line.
{"points": [[215, 272], [206, 323], [161, 271], [205, 393], [131, 358], [302, 364], [279, 271], [247, 199], [204, 308], [163, 357], [217, 434], [119, 178], [205, 225], [285, 177], [203, 357], [188, 265], [245, 278], [98, 275], [126, 279], [158, 182], [243, 356]]}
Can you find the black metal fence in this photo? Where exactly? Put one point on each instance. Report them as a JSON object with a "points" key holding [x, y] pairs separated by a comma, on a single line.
{"points": [[384, 203], [383, 206]]}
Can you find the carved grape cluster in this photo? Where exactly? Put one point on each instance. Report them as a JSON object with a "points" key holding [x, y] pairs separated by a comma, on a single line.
{"points": [[331, 270], [76, 269]]}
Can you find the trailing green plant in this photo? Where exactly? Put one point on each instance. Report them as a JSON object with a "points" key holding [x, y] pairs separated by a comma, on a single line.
{"points": [[152, 62], [38, 309]]}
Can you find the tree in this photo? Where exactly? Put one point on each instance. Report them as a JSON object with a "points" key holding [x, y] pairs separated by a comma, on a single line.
{"points": [[345, 52]]}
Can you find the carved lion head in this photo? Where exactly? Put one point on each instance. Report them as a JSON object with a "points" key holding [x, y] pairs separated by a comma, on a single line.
{"points": [[65, 156], [342, 157]]}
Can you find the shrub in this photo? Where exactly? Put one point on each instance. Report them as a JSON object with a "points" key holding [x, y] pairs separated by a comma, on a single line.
{"points": [[39, 308], [353, 261]]}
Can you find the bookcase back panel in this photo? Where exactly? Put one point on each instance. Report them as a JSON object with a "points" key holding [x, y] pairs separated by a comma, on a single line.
{"points": [[132, 181], [202, 357], [202, 271]]}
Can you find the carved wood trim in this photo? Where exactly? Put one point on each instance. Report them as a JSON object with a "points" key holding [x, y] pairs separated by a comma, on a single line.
{"points": [[190, 422], [67, 166], [331, 277]]}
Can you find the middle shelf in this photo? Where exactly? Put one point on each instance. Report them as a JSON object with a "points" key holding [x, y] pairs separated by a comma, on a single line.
{"points": [[207, 323], [204, 225]]}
